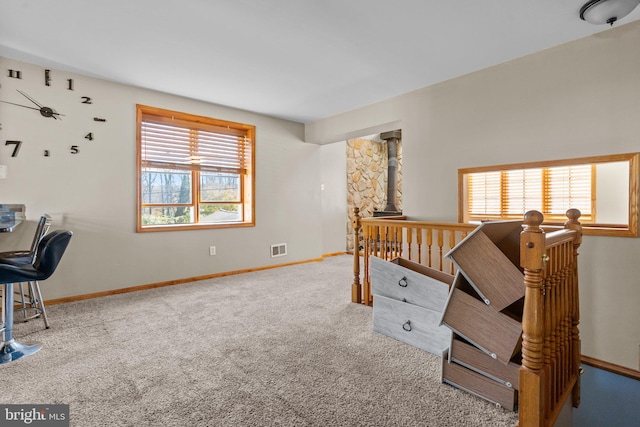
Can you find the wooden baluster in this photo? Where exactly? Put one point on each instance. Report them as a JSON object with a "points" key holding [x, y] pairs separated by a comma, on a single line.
{"points": [[356, 287], [452, 243], [429, 244], [573, 224], [567, 250], [547, 350], [366, 283], [532, 252], [440, 245], [419, 243], [383, 241], [409, 240]]}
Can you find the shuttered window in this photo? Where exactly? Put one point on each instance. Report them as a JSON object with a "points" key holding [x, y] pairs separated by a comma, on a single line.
{"points": [[193, 171], [507, 194]]}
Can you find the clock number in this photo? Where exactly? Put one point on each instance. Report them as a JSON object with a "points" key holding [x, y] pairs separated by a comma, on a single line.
{"points": [[74, 149], [47, 77], [89, 136], [86, 100], [46, 153], [70, 84], [15, 74], [16, 148]]}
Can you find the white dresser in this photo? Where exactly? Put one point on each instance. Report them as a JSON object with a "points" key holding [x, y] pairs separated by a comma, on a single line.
{"points": [[408, 301]]}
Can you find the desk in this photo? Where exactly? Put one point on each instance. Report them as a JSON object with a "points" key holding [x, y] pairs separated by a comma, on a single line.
{"points": [[11, 215], [9, 226]]}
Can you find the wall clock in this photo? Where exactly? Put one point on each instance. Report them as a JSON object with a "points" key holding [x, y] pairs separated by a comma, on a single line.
{"points": [[42, 110]]}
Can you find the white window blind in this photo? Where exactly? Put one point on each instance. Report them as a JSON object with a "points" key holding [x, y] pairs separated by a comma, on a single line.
{"points": [[569, 187], [511, 193], [175, 144]]}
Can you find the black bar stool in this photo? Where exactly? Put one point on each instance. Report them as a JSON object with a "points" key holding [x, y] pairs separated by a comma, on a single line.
{"points": [[48, 255]]}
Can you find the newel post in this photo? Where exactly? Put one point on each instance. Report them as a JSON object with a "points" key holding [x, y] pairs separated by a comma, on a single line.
{"points": [[356, 287], [532, 382]]}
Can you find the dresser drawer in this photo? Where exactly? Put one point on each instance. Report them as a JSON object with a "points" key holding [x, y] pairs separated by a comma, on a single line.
{"points": [[492, 273], [408, 281], [475, 383], [414, 325], [495, 333], [467, 355]]}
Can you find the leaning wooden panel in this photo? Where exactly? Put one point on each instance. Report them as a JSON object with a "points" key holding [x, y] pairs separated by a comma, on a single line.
{"points": [[496, 279], [469, 356], [491, 331], [478, 384]]}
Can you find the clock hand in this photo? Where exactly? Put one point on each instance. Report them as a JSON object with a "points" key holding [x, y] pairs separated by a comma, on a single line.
{"points": [[28, 97], [45, 111]]}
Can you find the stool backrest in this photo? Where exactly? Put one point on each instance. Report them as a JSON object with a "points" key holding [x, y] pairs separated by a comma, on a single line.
{"points": [[50, 251], [41, 230]]}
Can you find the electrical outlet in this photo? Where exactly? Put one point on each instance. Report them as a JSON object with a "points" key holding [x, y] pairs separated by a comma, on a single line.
{"points": [[212, 250]]}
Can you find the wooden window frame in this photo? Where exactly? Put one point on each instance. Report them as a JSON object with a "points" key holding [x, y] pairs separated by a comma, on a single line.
{"points": [[246, 173], [589, 228]]}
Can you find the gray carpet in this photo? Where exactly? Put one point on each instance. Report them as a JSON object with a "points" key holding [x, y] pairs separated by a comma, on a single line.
{"points": [[279, 347]]}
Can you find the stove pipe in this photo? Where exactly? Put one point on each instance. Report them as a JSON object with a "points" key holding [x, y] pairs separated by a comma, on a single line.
{"points": [[392, 138]]}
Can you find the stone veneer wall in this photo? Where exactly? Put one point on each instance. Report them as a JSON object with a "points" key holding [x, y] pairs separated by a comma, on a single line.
{"points": [[367, 179]]}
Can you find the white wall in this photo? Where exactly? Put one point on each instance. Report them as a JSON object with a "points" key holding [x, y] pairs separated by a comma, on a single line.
{"points": [[576, 100], [333, 164], [93, 193]]}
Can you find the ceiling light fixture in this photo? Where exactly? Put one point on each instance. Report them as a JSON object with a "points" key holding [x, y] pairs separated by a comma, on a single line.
{"points": [[600, 12]]}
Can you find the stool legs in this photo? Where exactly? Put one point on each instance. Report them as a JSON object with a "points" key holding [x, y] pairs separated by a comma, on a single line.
{"points": [[37, 302], [11, 349]]}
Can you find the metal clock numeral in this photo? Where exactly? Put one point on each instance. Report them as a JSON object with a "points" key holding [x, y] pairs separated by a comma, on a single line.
{"points": [[47, 77], [75, 149], [89, 136], [69, 84], [16, 148], [86, 100], [15, 74]]}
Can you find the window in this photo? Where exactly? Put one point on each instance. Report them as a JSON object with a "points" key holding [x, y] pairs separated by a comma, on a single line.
{"points": [[603, 188], [193, 171]]}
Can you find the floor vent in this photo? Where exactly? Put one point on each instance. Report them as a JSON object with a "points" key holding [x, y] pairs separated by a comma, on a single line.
{"points": [[278, 250]]}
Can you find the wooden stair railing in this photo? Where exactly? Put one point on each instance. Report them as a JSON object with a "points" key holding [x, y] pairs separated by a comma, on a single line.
{"points": [[550, 369], [549, 374], [390, 237]]}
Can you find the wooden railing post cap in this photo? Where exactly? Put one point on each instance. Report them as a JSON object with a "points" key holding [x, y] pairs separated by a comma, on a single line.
{"points": [[573, 215], [533, 219]]}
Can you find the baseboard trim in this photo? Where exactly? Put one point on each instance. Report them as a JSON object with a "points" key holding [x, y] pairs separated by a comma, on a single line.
{"points": [[176, 282], [611, 367]]}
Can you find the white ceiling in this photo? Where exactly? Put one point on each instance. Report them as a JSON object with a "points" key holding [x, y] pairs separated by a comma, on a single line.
{"points": [[297, 59]]}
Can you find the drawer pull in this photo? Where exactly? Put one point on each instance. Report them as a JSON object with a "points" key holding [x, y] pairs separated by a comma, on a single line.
{"points": [[407, 326], [403, 282]]}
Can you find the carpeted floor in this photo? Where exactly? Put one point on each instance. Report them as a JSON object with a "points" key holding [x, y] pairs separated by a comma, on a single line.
{"points": [[279, 347]]}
